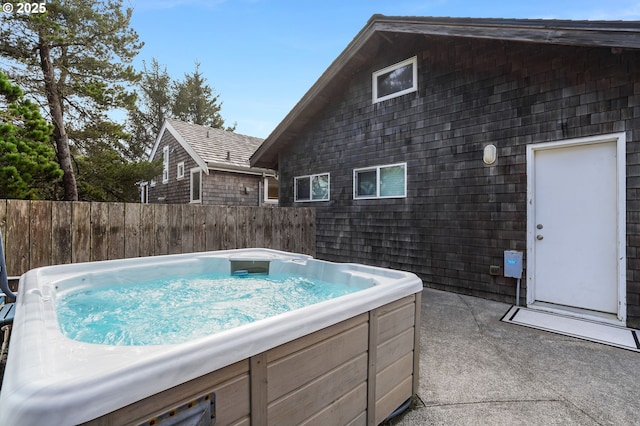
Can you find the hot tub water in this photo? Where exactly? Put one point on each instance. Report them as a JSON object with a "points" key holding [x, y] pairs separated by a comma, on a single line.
{"points": [[178, 309]]}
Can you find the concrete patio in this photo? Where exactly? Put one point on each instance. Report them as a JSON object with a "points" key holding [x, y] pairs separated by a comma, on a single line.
{"points": [[476, 370]]}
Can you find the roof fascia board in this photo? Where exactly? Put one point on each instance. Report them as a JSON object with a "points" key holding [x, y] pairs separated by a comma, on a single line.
{"points": [[243, 170], [158, 139], [590, 33]]}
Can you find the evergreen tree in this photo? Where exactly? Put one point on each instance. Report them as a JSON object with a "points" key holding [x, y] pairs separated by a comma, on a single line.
{"points": [[155, 96], [28, 168], [103, 166], [159, 97], [195, 101], [80, 53]]}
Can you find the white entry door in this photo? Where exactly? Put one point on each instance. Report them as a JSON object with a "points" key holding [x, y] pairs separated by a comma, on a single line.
{"points": [[574, 243]]}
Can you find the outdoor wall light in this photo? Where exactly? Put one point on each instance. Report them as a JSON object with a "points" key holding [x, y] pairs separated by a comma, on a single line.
{"points": [[490, 154]]}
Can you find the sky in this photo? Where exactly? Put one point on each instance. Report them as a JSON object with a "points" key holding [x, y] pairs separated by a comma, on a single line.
{"points": [[261, 56]]}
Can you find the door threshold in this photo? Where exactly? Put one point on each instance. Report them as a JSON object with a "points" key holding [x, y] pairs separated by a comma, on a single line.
{"points": [[571, 311], [608, 334]]}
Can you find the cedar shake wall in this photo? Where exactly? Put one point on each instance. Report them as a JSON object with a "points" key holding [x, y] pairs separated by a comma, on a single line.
{"points": [[459, 214], [218, 188], [176, 191], [228, 189]]}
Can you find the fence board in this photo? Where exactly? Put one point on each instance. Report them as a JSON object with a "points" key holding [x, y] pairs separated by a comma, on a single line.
{"points": [[175, 229], [61, 236], [199, 228], [99, 239], [187, 229], [17, 237], [258, 226], [3, 219], [147, 229], [276, 230], [309, 223], [161, 229], [213, 230], [38, 233], [288, 233], [242, 231], [132, 230], [230, 215], [116, 231], [80, 232], [267, 228]]}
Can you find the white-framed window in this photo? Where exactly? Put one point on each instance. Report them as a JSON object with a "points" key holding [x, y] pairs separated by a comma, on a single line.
{"points": [[180, 170], [395, 80], [312, 187], [144, 192], [270, 189], [196, 186], [165, 164], [388, 181], [153, 183]]}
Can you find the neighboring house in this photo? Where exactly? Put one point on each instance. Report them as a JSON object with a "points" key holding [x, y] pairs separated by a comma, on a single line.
{"points": [[208, 166], [436, 144]]}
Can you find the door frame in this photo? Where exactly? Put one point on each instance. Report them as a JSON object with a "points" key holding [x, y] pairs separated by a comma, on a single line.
{"points": [[620, 139]]}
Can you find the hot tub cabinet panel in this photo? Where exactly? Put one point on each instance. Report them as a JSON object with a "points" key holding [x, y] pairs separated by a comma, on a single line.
{"points": [[231, 386], [326, 377], [348, 361]]}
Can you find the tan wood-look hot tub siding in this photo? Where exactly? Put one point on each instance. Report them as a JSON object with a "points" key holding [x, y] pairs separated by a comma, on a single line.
{"points": [[327, 377]]}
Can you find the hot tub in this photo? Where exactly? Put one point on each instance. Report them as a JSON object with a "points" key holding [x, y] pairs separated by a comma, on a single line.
{"points": [[350, 360]]}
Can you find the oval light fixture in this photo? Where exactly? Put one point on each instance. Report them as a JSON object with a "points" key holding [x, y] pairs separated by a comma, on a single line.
{"points": [[490, 154]]}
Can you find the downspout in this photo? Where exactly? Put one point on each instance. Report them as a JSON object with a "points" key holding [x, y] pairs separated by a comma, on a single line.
{"points": [[4, 280]]}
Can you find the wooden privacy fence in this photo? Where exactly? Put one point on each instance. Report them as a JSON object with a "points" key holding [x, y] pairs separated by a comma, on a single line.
{"points": [[41, 233]]}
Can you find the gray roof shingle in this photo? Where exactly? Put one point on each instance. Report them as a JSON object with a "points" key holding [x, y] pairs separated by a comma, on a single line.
{"points": [[217, 146]]}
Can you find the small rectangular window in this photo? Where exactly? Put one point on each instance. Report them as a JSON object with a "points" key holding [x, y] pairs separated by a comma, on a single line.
{"points": [[312, 187], [165, 164], [196, 185], [389, 181], [144, 192], [395, 80], [180, 170]]}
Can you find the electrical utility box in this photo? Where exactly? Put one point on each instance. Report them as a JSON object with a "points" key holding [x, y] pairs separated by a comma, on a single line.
{"points": [[513, 264]]}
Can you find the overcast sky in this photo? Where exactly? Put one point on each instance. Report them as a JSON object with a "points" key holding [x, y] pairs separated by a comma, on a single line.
{"points": [[261, 56]]}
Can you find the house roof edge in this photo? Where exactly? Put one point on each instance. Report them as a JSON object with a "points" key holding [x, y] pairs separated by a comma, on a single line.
{"points": [[614, 34]]}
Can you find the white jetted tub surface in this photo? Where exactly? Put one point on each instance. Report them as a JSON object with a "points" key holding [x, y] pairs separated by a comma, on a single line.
{"points": [[347, 360]]}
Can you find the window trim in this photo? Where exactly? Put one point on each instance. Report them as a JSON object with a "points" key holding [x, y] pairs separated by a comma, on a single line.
{"points": [[144, 193], [310, 177], [414, 87], [266, 199], [191, 173], [165, 164], [180, 170], [377, 169]]}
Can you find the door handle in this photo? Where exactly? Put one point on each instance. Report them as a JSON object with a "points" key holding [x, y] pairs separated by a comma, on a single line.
{"points": [[539, 237]]}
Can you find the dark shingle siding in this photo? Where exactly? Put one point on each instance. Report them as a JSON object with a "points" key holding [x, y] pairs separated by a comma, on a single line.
{"points": [[228, 189], [175, 191], [460, 215]]}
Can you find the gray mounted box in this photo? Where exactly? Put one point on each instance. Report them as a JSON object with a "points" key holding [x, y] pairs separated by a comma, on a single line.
{"points": [[513, 264]]}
